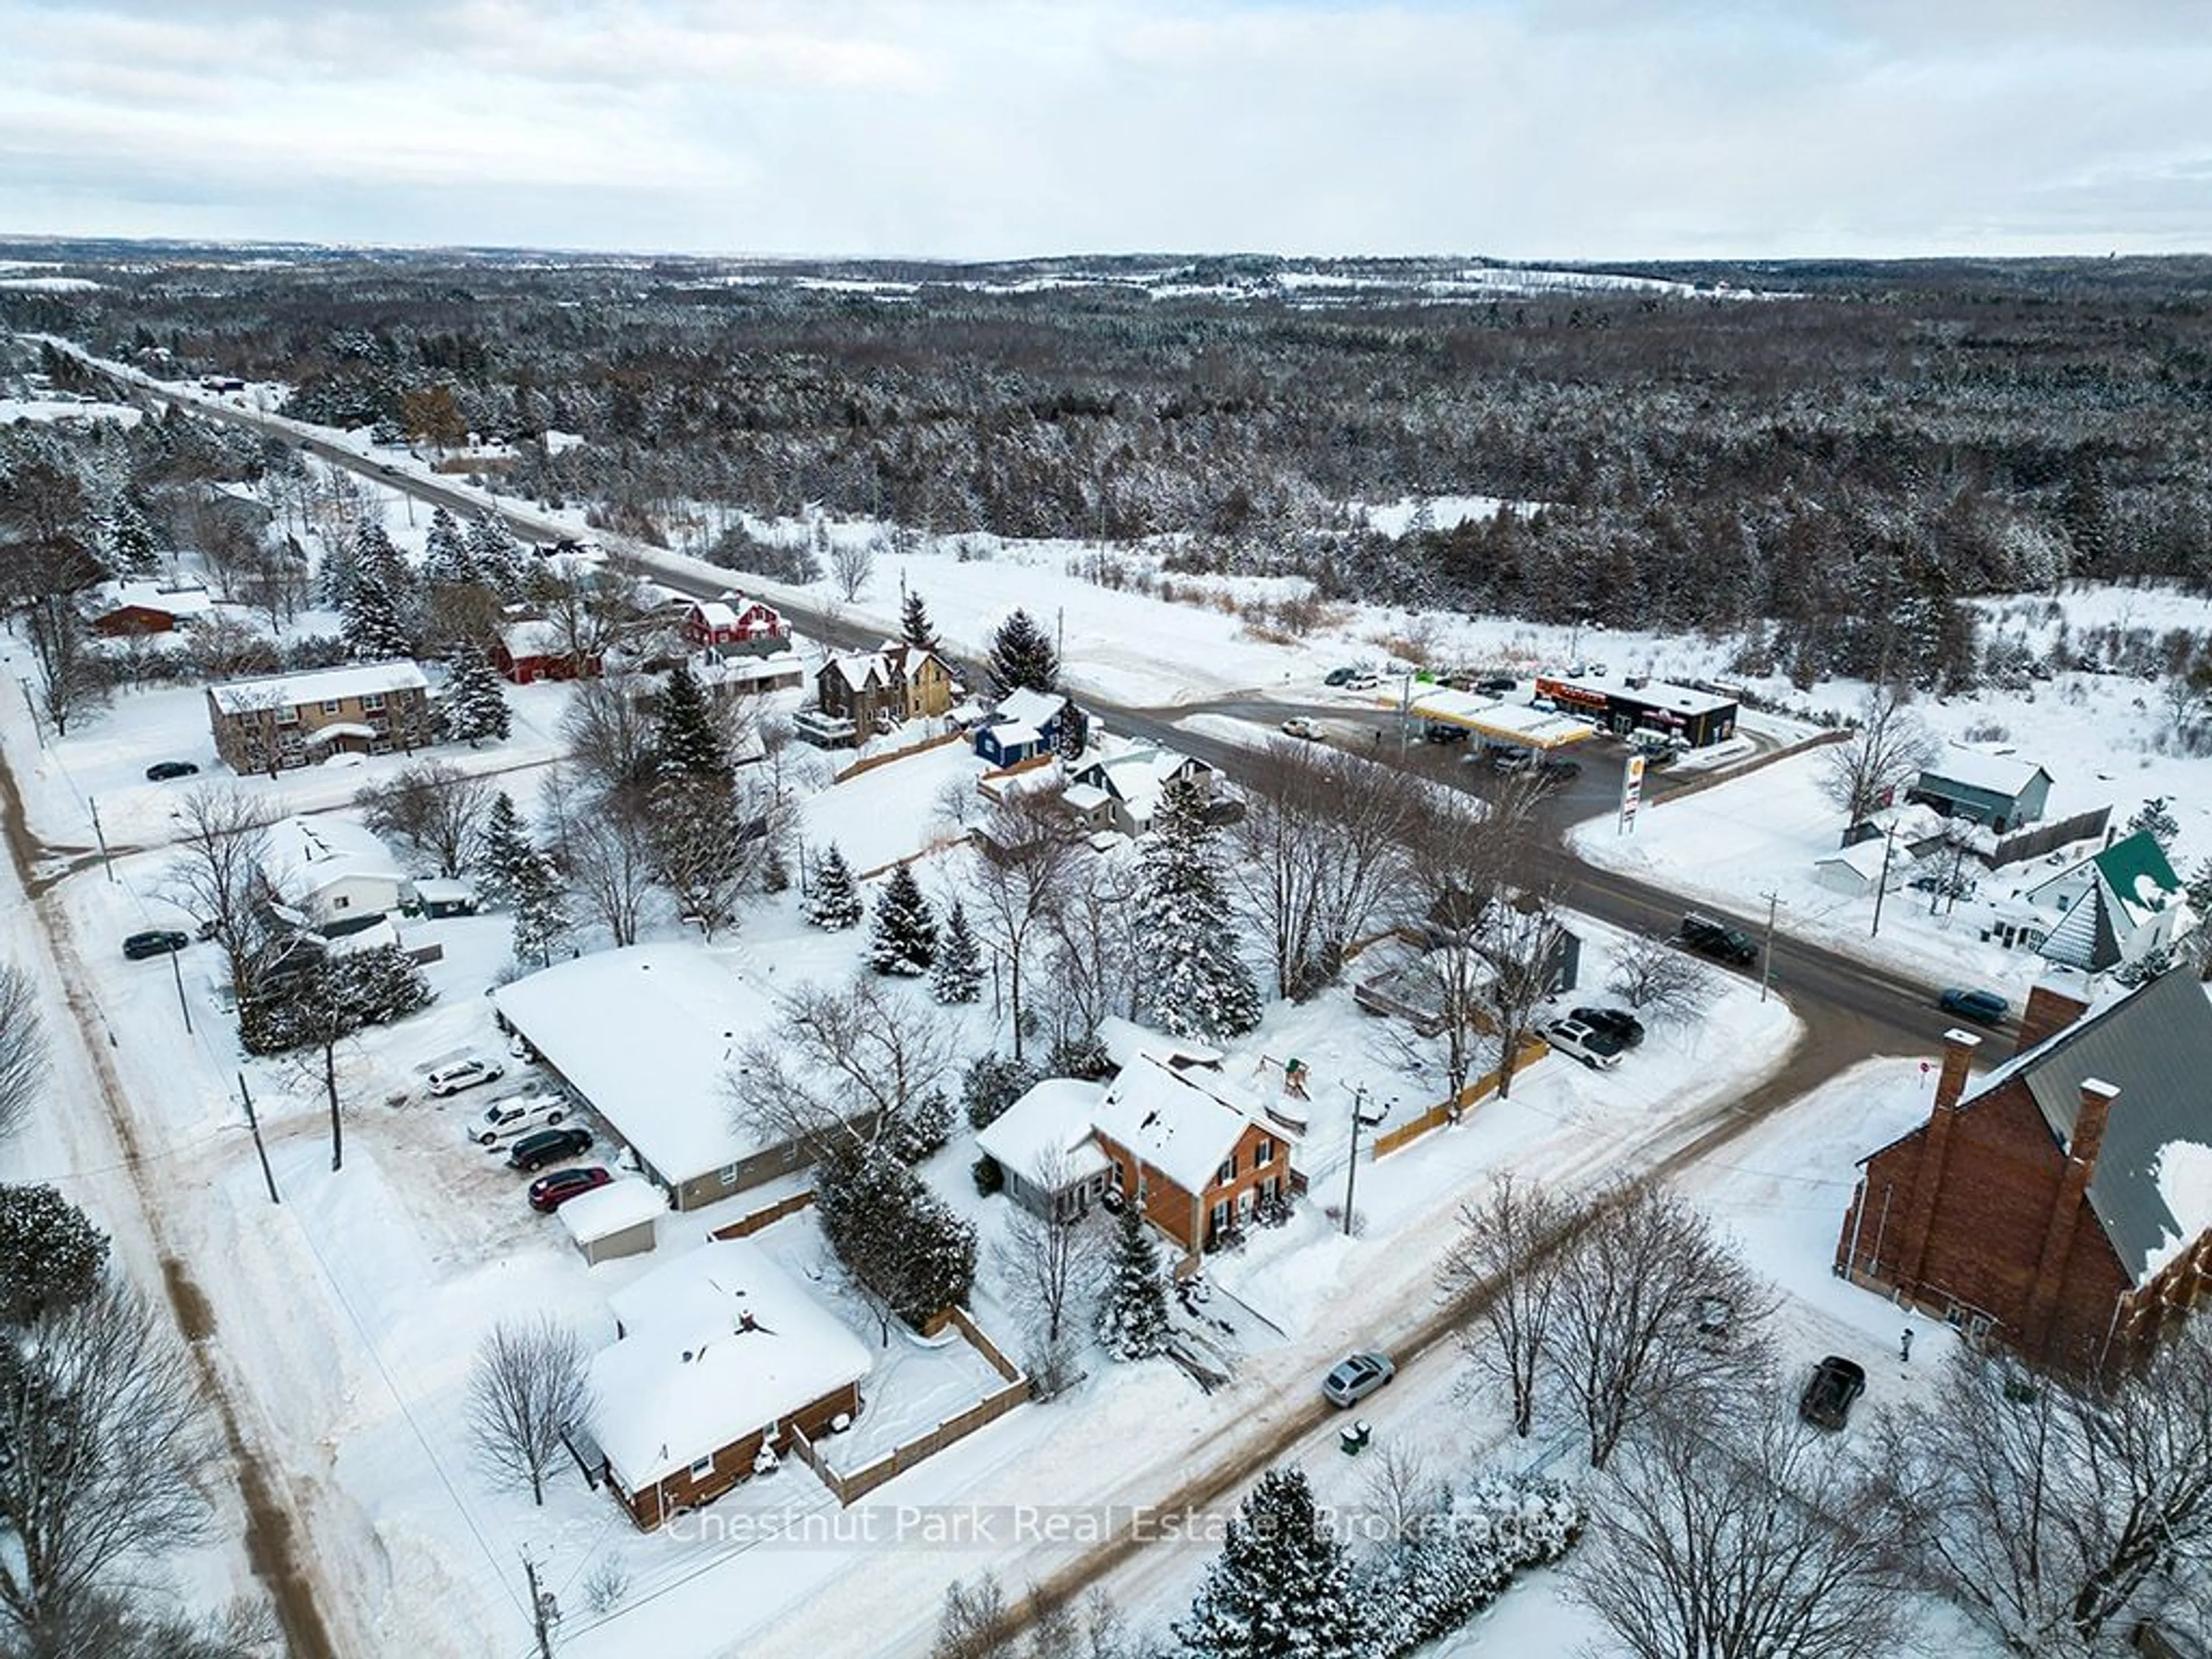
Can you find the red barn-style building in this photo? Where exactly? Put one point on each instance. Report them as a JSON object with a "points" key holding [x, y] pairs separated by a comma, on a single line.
{"points": [[734, 619]]}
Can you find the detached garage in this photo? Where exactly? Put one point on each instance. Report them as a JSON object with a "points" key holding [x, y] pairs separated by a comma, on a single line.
{"points": [[615, 1221]]}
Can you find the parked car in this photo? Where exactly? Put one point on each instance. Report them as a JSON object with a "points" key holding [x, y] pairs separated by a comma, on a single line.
{"points": [[1710, 937], [1496, 684], [516, 1114], [1982, 1007], [1356, 1377], [1443, 732], [1362, 680], [464, 1074], [157, 943], [1623, 1027], [1299, 727], [1544, 705], [1557, 769], [533, 1152], [1836, 1383], [163, 771], [1338, 676], [1584, 1043], [1510, 760], [549, 1192]]}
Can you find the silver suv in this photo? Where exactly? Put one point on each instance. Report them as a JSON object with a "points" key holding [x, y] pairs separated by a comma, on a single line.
{"points": [[1584, 1043]]}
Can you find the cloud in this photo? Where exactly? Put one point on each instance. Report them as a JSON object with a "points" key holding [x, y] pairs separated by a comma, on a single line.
{"points": [[982, 128]]}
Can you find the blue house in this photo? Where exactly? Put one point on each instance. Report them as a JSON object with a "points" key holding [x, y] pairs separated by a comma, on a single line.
{"points": [[1992, 789], [1026, 724]]}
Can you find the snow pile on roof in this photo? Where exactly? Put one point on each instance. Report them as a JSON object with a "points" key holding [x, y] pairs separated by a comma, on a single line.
{"points": [[717, 1344], [610, 1209], [1023, 707], [1045, 1136], [1182, 1123], [1124, 1040], [1137, 775], [2184, 1172], [181, 602], [646, 1034], [325, 685], [308, 854], [1977, 768]]}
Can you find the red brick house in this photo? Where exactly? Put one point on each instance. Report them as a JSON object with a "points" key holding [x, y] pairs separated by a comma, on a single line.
{"points": [[1186, 1147], [2060, 1204], [720, 1355], [531, 651], [734, 619]]}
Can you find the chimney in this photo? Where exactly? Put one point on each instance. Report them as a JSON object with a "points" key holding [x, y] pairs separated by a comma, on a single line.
{"points": [[2060, 998], [1958, 1054], [2097, 1097]]}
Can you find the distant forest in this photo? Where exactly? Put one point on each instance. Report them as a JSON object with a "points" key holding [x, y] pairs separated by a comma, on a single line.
{"points": [[1822, 470]]}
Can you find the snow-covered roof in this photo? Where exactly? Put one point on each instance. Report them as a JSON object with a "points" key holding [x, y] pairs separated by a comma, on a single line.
{"points": [[307, 854], [534, 637], [714, 613], [645, 1033], [716, 1343], [1685, 700], [1865, 859], [1030, 707], [337, 729], [610, 1209], [713, 667], [1051, 1124], [445, 890], [1014, 734], [1182, 1123], [857, 671], [1124, 1040], [1977, 768], [1136, 774], [1084, 797], [1494, 718], [182, 602], [321, 686]]}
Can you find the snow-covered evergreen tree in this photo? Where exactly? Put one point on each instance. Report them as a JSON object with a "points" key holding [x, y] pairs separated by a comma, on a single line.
{"points": [[494, 556], [2154, 818], [476, 702], [689, 739], [1132, 1314], [445, 556], [504, 853], [1022, 654], [1281, 1588], [704, 851], [375, 628], [835, 903], [958, 974], [130, 540], [51, 1257], [1195, 983], [905, 937], [1074, 734], [914, 622], [541, 911]]}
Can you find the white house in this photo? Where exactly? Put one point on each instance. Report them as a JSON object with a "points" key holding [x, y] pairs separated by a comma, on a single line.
{"points": [[336, 873], [1857, 870], [1121, 788], [2111, 909]]}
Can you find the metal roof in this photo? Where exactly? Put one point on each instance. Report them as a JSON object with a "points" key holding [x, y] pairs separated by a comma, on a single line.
{"points": [[2155, 1045]]}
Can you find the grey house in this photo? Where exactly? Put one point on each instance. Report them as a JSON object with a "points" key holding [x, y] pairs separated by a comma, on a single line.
{"points": [[1997, 790]]}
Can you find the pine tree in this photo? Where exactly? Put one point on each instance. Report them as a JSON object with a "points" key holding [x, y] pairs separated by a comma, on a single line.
{"points": [[493, 555], [1281, 1588], [905, 940], [958, 977], [50, 1257], [504, 855], [836, 903], [130, 540], [1132, 1314], [689, 739], [374, 628], [704, 851], [1022, 654], [914, 624], [445, 557], [541, 913], [1074, 734], [1195, 981], [475, 706], [2155, 818]]}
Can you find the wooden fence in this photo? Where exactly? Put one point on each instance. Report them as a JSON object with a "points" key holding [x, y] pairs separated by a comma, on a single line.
{"points": [[746, 1225], [2047, 837], [847, 1488], [1450, 1110], [869, 763]]}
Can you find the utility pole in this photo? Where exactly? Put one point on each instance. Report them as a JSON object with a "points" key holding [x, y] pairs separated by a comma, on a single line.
{"points": [[542, 1610], [105, 862], [1360, 1121], [254, 1124], [177, 971], [1766, 957], [1881, 885]]}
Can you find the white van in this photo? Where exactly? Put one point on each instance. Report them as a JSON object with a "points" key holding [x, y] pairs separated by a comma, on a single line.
{"points": [[512, 1115]]}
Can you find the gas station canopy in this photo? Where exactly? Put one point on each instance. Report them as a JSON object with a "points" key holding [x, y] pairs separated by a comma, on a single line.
{"points": [[1500, 721]]}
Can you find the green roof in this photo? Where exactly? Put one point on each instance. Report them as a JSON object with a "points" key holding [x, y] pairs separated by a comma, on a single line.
{"points": [[2127, 864]]}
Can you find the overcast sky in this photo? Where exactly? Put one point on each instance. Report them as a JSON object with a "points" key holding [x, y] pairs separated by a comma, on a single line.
{"points": [[1580, 129]]}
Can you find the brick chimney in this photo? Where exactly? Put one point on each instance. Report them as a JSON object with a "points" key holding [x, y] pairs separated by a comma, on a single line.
{"points": [[1918, 1220], [2096, 1112], [2060, 998], [1958, 1055]]}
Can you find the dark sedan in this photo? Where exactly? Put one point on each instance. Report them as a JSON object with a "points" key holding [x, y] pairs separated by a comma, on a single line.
{"points": [[1623, 1027], [157, 943], [163, 771]]}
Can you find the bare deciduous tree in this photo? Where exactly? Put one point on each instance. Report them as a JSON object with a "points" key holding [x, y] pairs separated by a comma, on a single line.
{"points": [[434, 808], [607, 855], [1633, 1290], [531, 1382], [46, 563], [1655, 976], [217, 878], [1885, 753], [589, 611], [852, 562], [1092, 965], [1506, 1261], [23, 1053], [100, 1417], [2057, 1507], [1752, 1543], [847, 1067], [610, 733], [1056, 1262], [1025, 849]]}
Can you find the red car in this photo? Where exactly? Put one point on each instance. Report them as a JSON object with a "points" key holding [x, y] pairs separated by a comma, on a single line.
{"points": [[549, 1192]]}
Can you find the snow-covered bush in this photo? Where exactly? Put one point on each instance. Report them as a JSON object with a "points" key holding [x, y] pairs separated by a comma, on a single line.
{"points": [[1459, 1558]]}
